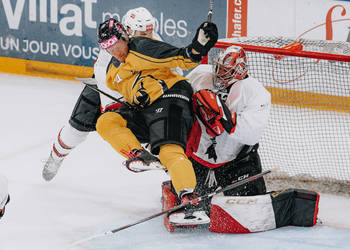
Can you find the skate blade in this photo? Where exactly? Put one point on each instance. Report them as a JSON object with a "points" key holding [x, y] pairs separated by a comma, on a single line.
{"points": [[138, 166]]}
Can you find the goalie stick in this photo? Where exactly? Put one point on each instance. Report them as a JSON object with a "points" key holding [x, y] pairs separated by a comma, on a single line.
{"points": [[194, 201]]}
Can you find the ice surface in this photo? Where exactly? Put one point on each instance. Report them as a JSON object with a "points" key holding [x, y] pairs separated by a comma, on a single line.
{"points": [[93, 192]]}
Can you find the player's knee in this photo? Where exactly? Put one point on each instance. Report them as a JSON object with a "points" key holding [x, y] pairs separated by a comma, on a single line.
{"points": [[171, 153], [109, 121]]}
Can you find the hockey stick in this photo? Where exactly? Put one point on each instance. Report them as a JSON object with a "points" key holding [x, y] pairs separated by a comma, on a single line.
{"points": [[89, 81], [194, 201], [210, 13]]}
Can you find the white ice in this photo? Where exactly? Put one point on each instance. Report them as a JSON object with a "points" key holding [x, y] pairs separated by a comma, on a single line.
{"points": [[94, 193]]}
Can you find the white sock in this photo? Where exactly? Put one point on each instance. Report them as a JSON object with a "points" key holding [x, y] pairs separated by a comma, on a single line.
{"points": [[67, 139]]}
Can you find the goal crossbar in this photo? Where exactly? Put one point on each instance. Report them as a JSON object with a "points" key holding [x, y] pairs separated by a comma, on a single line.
{"points": [[280, 51]]}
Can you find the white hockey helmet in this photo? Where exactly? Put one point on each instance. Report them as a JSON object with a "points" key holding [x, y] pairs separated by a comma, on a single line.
{"points": [[139, 19], [229, 66]]}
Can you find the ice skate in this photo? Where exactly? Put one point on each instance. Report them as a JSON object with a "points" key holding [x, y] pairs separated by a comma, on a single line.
{"points": [[51, 167], [141, 160], [191, 215]]}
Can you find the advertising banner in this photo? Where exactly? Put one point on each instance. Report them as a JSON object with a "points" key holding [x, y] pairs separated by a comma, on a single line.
{"points": [[237, 18], [59, 36], [332, 21], [65, 31], [313, 19]]}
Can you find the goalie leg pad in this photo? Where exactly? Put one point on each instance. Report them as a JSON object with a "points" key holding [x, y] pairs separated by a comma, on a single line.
{"points": [[86, 111], [247, 214], [169, 200], [241, 214], [295, 207]]}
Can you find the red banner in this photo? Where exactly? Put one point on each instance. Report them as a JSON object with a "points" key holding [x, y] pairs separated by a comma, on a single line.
{"points": [[237, 18]]}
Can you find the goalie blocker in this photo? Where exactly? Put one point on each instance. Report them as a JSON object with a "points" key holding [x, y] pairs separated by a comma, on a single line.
{"points": [[248, 214]]}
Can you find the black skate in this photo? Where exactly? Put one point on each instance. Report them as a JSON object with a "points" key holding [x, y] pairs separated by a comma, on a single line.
{"points": [[141, 160]]}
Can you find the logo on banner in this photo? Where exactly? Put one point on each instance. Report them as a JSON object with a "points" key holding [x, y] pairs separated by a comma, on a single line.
{"points": [[330, 22], [237, 18]]}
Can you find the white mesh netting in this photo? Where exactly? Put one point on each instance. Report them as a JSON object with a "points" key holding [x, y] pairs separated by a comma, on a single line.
{"points": [[308, 135]]}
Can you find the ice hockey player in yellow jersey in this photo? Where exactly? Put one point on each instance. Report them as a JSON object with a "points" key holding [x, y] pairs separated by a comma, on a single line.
{"points": [[158, 103]]}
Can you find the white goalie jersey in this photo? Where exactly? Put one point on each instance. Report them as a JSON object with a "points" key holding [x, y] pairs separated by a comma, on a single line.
{"points": [[251, 102]]}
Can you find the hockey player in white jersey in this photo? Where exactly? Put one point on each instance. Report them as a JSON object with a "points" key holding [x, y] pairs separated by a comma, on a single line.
{"points": [[232, 109], [219, 136], [4, 195], [90, 104]]}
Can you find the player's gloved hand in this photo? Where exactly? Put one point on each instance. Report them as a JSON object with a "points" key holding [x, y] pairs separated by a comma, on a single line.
{"points": [[205, 38], [213, 113]]}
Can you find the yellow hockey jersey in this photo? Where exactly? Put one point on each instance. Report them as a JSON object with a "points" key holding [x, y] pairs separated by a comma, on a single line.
{"points": [[146, 73]]}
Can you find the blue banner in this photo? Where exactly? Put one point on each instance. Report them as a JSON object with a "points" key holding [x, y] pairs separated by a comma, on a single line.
{"points": [[65, 31]]}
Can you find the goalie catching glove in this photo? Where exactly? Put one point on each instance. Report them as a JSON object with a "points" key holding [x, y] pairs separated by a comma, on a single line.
{"points": [[213, 113]]}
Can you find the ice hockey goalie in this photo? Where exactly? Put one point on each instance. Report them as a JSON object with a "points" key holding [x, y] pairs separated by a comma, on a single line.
{"points": [[231, 110]]}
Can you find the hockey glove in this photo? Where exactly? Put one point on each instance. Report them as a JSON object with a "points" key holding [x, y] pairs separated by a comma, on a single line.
{"points": [[205, 38], [213, 113]]}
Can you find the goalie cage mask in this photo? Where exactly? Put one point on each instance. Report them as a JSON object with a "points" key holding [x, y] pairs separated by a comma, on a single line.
{"points": [[229, 66]]}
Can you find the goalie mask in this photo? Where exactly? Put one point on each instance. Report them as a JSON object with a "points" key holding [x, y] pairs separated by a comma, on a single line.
{"points": [[139, 19], [229, 66], [110, 32]]}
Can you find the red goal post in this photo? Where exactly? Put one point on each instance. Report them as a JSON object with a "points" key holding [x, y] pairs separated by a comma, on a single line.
{"points": [[281, 51], [308, 135]]}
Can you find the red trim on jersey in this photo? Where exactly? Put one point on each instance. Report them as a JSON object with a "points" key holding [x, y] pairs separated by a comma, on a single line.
{"points": [[193, 144], [193, 138], [62, 144], [205, 163]]}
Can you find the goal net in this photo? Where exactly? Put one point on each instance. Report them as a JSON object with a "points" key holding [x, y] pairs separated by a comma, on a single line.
{"points": [[308, 134]]}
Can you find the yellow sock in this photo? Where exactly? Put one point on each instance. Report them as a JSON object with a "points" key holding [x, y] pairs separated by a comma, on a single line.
{"points": [[112, 128], [180, 168]]}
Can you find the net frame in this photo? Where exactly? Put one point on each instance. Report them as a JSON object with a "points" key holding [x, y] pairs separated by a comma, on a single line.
{"points": [[307, 102]]}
